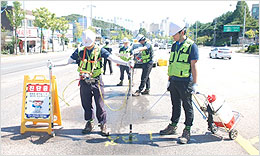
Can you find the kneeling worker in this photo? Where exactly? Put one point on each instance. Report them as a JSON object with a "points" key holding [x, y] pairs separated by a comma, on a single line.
{"points": [[125, 54], [90, 68]]}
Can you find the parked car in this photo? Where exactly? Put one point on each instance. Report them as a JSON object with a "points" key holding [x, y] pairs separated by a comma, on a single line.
{"points": [[138, 63], [220, 52], [162, 46]]}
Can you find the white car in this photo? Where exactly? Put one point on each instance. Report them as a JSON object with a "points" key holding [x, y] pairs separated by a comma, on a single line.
{"points": [[220, 52]]}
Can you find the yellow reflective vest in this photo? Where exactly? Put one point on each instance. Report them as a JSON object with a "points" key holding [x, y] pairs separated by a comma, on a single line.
{"points": [[179, 64], [91, 64]]}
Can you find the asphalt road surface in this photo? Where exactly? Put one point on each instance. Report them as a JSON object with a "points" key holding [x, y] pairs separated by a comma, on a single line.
{"points": [[235, 80]]}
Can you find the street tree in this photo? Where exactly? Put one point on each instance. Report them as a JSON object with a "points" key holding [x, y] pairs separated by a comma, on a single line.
{"points": [[54, 25], [63, 27], [250, 33], [42, 20], [16, 16], [78, 32], [3, 3], [143, 31]]}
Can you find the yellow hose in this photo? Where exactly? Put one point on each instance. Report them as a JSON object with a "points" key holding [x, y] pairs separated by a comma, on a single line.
{"points": [[124, 104]]}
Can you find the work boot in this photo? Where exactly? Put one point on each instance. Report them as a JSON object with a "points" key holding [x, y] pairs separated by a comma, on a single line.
{"points": [[145, 92], [88, 128], [120, 83], [169, 130], [137, 93], [104, 131], [185, 138]]}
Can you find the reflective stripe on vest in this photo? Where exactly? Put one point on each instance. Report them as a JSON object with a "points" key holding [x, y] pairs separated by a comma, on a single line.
{"points": [[125, 52], [86, 65], [179, 65]]}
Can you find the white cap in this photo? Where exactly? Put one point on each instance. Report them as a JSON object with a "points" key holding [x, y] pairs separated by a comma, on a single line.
{"points": [[140, 37], [88, 38], [176, 27], [125, 40]]}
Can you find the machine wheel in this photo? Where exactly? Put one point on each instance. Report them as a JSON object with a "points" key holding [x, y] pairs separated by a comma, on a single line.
{"points": [[233, 134], [214, 129]]}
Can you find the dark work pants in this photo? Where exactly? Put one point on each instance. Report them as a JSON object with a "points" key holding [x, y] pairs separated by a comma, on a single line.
{"points": [[181, 93], [122, 72], [110, 65], [145, 80], [87, 91]]}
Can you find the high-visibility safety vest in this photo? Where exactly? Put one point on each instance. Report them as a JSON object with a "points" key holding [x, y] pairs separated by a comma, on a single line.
{"points": [[91, 64], [179, 65], [145, 56], [127, 51]]}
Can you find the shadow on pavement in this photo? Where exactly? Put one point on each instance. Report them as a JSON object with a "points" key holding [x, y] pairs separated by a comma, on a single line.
{"points": [[152, 139], [34, 137]]}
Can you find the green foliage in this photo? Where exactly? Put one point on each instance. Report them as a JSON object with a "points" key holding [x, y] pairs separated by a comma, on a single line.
{"points": [[203, 39], [42, 20], [143, 31], [253, 48], [16, 16], [78, 32], [229, 18], [250, 33], [3, 3]]}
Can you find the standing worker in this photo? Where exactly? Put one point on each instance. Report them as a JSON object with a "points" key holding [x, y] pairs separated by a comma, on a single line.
{"points": [[106, 60], [182, 82], [125, 54], [146, 52], [89, 60]]}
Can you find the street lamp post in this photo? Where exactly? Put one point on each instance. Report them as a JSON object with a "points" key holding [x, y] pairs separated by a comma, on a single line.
{"points": [[244, 27], [91, 12], [25, 38]]}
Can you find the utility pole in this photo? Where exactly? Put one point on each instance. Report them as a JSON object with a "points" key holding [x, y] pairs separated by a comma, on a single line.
{"points": [[214, 41], [91, 12], [244, 27], [25, 34]]}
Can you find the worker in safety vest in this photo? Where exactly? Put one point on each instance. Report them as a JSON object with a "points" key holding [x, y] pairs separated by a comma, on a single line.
{"points": [[90, 68], [125, 54], [182, 82], [106, 46], [146, 53]]}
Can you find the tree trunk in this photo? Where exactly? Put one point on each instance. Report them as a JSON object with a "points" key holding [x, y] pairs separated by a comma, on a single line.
{"points": [[15, 39], [41, 42], [52, 41]]}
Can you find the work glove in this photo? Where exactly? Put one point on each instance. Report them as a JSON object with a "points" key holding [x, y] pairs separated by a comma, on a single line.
{"points": [[168, 86], [194, 88], [86, 76], [50, 64], [131, 64]]}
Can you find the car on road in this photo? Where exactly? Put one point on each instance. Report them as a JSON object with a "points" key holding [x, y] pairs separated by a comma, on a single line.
{"points": [[220, 52], [138, 63], [162, 46]]}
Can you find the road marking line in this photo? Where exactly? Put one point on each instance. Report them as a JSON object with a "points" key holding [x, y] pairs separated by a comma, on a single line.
{"points": [[254, 140], [247, 145]]}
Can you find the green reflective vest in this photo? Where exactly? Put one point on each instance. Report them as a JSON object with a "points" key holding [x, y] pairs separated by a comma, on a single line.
{"points": [[179, 64], [125, 58], [145, 56], [91, 64]]}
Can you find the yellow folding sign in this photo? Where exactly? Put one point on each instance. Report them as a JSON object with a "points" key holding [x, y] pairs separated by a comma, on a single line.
{"points": [[37, 104]]}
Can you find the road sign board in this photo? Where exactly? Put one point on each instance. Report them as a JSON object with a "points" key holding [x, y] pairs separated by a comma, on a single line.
{"points": [[231, 28]]}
